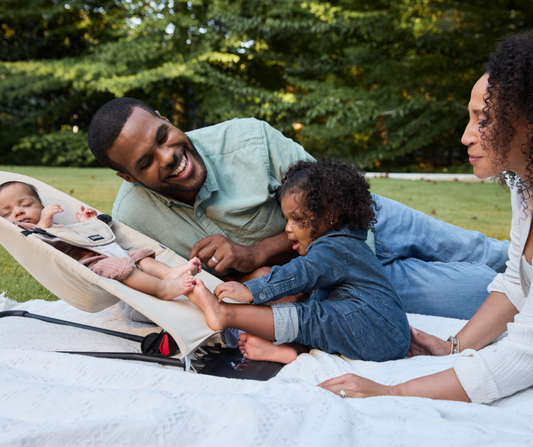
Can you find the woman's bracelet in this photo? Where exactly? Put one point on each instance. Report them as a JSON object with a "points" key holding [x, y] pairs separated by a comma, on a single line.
{"points": [[455, 347]]}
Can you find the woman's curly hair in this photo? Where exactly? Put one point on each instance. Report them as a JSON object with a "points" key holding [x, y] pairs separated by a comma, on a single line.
{"points": [[509, 100], [335, 194]]}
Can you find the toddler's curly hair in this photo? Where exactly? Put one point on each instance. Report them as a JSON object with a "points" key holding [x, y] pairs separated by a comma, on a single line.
{"points": [[334, 194]]}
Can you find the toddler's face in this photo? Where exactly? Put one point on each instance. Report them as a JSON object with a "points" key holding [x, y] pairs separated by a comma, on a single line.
{"points": [[297, 229], [18, 204]]}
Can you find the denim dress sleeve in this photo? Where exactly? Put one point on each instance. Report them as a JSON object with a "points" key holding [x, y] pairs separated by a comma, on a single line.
{"points": [[324, 265]]}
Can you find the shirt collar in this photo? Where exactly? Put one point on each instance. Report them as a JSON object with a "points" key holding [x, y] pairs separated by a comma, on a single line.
{"points": [[343, 231]]}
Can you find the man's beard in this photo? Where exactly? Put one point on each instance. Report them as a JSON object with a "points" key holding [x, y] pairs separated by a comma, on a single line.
{"points": [[200, 174]]}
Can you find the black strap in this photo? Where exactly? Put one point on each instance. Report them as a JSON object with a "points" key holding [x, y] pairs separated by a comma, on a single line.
{"points": [[105, 218], [38, 230]]}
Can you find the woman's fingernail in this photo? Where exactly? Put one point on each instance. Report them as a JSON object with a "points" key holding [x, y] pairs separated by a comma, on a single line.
{"points": [[415, 331]]}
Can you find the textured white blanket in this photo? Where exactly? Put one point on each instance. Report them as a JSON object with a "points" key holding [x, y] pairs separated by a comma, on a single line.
{"points": [[52, 399]]}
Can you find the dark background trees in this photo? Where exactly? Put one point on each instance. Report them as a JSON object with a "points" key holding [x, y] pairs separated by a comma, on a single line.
{"points": [[382, 83]]}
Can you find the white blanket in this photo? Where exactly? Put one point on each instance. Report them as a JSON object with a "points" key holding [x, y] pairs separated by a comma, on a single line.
{"points": [[53, 399]]}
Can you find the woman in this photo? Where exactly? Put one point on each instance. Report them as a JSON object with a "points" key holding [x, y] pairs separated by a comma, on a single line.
{"points": [[499, 137]]}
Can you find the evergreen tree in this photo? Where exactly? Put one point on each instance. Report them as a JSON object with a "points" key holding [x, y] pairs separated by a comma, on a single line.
{"points": [[383, 83]]}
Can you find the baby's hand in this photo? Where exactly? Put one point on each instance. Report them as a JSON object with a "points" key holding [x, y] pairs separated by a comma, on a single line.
{"points": [[47, 215], [235, 291], [85, 214]]}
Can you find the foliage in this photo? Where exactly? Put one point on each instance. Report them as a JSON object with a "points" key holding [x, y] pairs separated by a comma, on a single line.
{"points": [[383, 83], [63, 148]]}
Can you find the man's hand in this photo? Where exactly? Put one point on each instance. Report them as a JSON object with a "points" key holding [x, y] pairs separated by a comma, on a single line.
{"points": [[47, 215], [275, 250], [221, 254], [235, 291], [85, 214]]}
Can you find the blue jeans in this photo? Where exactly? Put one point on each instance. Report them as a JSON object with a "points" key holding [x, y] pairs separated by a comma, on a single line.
{"points": [[357, 329], [436, 268]]}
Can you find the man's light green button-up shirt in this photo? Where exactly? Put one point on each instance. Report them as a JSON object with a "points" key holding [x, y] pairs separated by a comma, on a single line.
{"points": [[245, 161]]}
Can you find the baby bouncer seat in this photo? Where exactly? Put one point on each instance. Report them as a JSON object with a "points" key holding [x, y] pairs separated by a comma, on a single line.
{"points": [[77, 285]]}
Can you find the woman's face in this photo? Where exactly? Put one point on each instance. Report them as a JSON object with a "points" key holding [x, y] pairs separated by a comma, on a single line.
{"points": [[483, 159]]}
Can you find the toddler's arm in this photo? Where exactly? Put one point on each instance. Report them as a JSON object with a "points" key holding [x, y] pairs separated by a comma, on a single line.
{"points": [[47, 215], [235, 291], [85, 214]]}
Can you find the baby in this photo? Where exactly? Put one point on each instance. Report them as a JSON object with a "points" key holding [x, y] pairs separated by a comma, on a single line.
{"points": [[20, 203]]}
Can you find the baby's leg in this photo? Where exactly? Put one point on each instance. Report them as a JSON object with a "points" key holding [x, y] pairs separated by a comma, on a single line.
{"points": [[256, 348], [257, 320], [160, 288], [162, 271]]}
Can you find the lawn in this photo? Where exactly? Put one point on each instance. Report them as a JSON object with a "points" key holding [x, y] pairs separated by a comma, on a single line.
{"points": [[475, 206]]}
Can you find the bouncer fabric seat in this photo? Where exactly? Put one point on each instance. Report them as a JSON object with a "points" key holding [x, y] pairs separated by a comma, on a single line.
{"points": [[77, 285]]}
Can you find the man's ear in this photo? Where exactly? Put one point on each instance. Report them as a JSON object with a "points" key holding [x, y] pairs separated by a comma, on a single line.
{"points": [[162, 117], [126, 177]]}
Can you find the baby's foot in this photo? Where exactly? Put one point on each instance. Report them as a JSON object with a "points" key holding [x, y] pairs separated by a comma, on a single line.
{"points": [[208, 302], [194, 266], [256, 348], [176, 287]]}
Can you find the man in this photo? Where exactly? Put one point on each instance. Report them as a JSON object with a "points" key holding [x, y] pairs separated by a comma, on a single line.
{"points": [[213, 194]]}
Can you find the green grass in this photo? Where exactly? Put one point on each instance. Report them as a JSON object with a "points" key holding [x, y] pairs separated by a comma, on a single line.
{"points": [[97, 187], [474, 206], [484, 207]]}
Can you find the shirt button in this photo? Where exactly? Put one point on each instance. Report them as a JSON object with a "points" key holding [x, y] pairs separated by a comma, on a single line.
{"points": [[262, 296], [198, 213]]}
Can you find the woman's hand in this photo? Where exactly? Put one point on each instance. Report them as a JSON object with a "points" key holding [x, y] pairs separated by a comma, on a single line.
{"points": [[235, 291], [426, 344], [85, 214], [356, 386]]}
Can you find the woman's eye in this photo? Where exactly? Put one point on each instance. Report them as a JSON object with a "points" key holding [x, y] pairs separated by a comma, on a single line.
{"points": [[483, 122]]}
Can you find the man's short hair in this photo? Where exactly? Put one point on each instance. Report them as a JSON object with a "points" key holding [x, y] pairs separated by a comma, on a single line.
{"points": [[106, 125]]}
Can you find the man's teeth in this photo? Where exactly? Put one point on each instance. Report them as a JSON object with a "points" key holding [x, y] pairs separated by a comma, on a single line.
{"points": [[181, 167]]}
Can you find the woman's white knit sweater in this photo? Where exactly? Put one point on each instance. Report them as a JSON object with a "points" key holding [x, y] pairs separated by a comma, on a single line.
{"points": [[505, 367]]}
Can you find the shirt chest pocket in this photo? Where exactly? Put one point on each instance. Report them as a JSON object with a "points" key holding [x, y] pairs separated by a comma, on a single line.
{"points": [[253, 224]]}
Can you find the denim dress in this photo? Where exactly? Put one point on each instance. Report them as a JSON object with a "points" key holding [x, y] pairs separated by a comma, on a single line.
{"points": [[353, 310]]}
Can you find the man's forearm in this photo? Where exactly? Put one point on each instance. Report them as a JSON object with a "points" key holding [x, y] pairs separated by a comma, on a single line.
{"points": [[275, 250]]}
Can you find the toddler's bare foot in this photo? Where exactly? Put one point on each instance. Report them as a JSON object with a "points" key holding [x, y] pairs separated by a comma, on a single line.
{"points": [[208, 302], [175, 287], [194, 266], [257, 348]]}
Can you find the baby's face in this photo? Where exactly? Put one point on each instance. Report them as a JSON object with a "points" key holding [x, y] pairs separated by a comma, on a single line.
{"points": [[18, 204]]}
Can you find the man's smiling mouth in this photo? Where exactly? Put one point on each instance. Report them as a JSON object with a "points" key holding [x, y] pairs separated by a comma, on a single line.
{"points": [[181, 168]]}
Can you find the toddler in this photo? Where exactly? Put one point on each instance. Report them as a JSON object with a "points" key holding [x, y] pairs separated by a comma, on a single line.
{"points": [[20, 203], [352, 308]]}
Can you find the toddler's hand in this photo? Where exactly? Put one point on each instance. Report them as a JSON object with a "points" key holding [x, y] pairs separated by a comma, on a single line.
{"points": [[47, 215], [235, 291], [85, 214]]}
